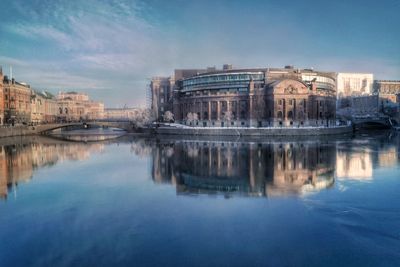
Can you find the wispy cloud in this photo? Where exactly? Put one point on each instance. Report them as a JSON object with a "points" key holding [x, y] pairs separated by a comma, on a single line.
{"points": [[116, 45], [95, 39]]}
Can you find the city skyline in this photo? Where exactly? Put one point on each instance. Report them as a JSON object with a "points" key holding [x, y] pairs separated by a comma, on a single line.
{"points": [[110, 49]]}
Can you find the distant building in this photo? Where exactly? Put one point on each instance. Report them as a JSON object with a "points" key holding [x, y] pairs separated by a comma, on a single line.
{"points": [[17, 101], [51, 109], [161, 95], [1, 97], [388, 91], [259, 97], [121, 113], [44, 108], [73, 106], [354, 84], [38, 108]]}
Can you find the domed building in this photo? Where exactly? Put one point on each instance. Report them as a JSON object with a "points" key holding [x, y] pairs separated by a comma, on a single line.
{"points": [[264, 97]]}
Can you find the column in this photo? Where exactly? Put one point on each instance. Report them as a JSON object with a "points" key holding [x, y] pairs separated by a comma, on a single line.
{"points": [[218, 110], [209, 110]]}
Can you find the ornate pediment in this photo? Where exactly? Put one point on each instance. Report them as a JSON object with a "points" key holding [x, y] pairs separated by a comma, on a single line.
{"points": [[291, 90]]}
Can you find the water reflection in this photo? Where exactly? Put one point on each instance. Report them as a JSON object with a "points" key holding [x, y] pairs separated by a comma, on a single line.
{"points": [[272, 168], [247, 168], [231, 168], [20, 157]]}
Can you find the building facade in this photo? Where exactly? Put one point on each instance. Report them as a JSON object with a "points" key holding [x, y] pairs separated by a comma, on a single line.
{"points": [[1, 97], [51, 110], [17, 101], [73, 106], [44, 108], [38, 108], [270, 97], [389, 92], [354, 84], [161, 89], [121, 113]]}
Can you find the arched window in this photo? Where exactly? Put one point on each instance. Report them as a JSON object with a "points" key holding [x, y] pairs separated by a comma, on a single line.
{"points": [[60, 110], [290, 115], [66, 110], [280, 114]]}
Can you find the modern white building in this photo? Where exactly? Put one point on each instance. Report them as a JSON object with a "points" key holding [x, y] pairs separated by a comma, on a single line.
{"points": [[354, 84]]}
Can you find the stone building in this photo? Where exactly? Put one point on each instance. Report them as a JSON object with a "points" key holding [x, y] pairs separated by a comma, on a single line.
{"points": [[1, 97], [94, 110], [17, 101], [161, 89], [38, 108], [73, 106], [121, 113], [354, 84], [265, 97], [44, 108], [51, 110], [388, 91]]}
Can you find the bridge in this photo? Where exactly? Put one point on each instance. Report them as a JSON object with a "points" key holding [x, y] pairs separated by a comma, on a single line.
{"points": [[123, 125], [128, 126], [372, 122]]}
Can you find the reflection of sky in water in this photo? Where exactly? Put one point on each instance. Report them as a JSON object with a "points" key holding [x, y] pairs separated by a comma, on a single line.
{"points": [[102, 204]]}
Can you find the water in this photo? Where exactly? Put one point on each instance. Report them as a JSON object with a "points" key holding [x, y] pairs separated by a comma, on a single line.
{"points": [[200, 202]]}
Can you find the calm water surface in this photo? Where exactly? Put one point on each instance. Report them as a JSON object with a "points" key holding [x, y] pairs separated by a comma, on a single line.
{"points": [[200, 202]]}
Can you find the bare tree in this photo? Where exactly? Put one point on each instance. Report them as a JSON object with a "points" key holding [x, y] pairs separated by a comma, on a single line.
{"points": [[168, 116], [144, 117]]}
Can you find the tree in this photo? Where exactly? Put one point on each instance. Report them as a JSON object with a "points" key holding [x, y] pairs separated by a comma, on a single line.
{"points": [[144, 117], [168, 116]]}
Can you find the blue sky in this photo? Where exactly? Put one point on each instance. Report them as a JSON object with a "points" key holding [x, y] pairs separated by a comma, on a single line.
{"points": [[110, 49]]}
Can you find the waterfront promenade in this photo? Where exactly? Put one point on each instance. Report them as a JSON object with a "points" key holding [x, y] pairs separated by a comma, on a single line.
{"points": [[177, 129]]}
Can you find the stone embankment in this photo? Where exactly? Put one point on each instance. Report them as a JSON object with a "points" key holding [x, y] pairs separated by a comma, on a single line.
{"points": [[217, 131], [24, 130]]}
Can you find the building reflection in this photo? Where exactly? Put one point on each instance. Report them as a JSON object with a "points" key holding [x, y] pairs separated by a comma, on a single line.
{"points": [[356, 165], [356, 160], [19, 161], [208, 166], [251, 169]]}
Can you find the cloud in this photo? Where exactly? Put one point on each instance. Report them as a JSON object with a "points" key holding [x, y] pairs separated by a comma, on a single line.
{"points": [[96, 45], [116, 45]]}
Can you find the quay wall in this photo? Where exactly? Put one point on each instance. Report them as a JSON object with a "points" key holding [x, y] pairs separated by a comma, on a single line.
{"points": [[23, 130], [305, 131]]}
